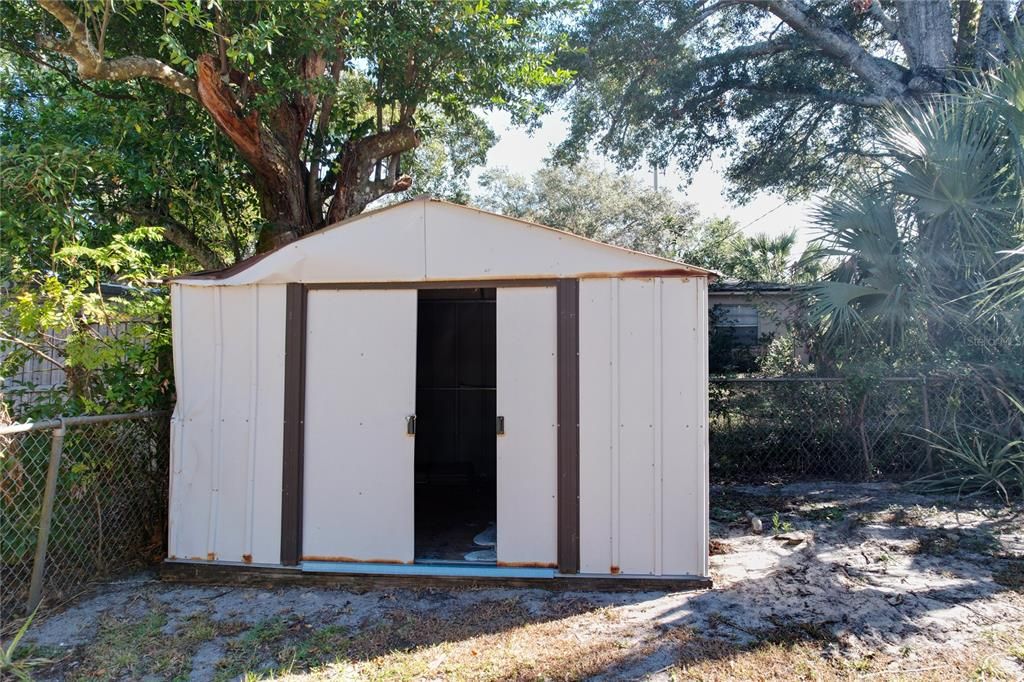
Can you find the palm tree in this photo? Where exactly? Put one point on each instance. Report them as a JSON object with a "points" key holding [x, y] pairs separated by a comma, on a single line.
{"points": [[924, 239], [761, 257]]}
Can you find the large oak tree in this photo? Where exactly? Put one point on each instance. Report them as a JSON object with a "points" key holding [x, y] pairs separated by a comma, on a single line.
{"points": [[319, 99], [785, 88]]}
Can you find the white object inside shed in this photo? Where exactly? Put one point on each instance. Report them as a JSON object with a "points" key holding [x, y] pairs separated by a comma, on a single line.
{"points": [[379, 396]]}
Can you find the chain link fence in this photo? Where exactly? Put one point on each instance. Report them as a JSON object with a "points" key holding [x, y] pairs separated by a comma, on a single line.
{"points": [[791, 428], [103, 506], [80, 498]]}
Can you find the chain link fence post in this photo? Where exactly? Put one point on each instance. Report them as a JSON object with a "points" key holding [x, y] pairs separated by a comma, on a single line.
{"points": [[926, 421], [45, 517], [81, 498]]}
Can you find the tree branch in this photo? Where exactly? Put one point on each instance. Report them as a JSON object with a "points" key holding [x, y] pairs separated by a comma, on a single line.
{"points": [[355, 189], [993, 25], [183, 237], [31, 349], [765, 48], [880, 15], [966, 30], [244, 131], [313, 196], [70, 77], [92, 65], [882, 76], [849, 98]]}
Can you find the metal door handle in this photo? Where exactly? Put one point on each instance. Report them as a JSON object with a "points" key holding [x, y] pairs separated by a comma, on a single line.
{"points": [[500, 426], [410, 425]]}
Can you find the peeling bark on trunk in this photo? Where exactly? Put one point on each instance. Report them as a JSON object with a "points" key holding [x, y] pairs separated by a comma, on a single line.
{"points": [[291, 198], [274, 158]]}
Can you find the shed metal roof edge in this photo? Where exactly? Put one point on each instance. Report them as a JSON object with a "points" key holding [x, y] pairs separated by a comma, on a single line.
{"points": [[231, 270]]}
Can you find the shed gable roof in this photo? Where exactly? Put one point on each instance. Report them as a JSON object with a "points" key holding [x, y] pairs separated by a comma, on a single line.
{"points": [[427, 239]]}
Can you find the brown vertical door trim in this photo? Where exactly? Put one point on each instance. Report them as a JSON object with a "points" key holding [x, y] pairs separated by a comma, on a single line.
{"points": [[294, 427], [568, 344]]}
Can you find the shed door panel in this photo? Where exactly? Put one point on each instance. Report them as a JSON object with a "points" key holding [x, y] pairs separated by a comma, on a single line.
{"points": [[527, 453], [360, 387]]}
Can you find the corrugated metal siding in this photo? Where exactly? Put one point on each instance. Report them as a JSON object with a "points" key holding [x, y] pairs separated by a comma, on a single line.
{"points": [[430, 240], [226, 449], [643, 435], [360, 387], [527, 453], [643, 413]]}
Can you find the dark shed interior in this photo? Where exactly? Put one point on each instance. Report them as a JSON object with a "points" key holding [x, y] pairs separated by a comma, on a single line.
{"points": [[456, 415]]}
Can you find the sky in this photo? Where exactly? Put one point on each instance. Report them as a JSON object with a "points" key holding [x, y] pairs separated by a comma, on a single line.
{"points": [[524, 153]]}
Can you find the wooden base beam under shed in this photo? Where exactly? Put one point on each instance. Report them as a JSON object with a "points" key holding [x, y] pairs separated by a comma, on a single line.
{"points": [[222, 573]]}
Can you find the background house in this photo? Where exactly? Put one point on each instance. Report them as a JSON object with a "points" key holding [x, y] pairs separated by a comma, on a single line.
{"points": [[745, 317]]}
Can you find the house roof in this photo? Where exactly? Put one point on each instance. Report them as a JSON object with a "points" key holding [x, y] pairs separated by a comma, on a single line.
{"points": [[736, 286], [428, 239]]}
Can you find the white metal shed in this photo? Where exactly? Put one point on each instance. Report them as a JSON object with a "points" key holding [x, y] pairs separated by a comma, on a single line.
{"points": [[431, 389]]}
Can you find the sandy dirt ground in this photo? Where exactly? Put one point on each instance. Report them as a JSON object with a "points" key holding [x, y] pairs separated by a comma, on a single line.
{"points": [[845, 582]]}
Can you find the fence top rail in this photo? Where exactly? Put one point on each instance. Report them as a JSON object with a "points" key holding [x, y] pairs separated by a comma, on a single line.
{"points": [[47, 424], [774, 380]]}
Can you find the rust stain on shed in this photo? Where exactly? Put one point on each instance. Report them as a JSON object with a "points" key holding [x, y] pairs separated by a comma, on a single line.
{"points": [[352, 560], [525, 564]]}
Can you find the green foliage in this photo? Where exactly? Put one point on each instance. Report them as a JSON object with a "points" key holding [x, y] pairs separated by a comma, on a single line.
{"points": [[921, 244], [784, 91], [12, 662], [99, 170], [763, 258], [315, 83], [977, 462], [450, 151], [781, 357], [114, 348], [609, 207], [70, 177], [654, 83], [779, 526]]}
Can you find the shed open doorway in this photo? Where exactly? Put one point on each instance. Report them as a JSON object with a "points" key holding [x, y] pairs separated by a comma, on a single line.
{"points": [[456, 415]]}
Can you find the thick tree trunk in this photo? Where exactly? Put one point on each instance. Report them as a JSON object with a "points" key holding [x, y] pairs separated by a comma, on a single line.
{"points": [[292, 203], [993, 25], [278, 170], [966, 31], [924, 32]]}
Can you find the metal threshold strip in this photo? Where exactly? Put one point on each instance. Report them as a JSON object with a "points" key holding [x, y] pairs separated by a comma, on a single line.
{"points": [[471, 570]]}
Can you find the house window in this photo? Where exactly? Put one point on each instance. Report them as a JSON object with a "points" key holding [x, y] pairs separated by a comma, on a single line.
{"points": [[739, 322]]}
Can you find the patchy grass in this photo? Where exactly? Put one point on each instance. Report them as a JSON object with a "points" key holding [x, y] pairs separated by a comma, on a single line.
{"points": [[904, 516], [134, 648], [811, 651], [1012, 575], [411, 646], [498, 639], [801, 659], [868, 599], [734, 503], [258, 647], [937, 542], [724, 515], [829, 513]]}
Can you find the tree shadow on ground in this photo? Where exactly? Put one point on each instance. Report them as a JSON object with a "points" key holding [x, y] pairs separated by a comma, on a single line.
{"points": [[832, 605]]}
